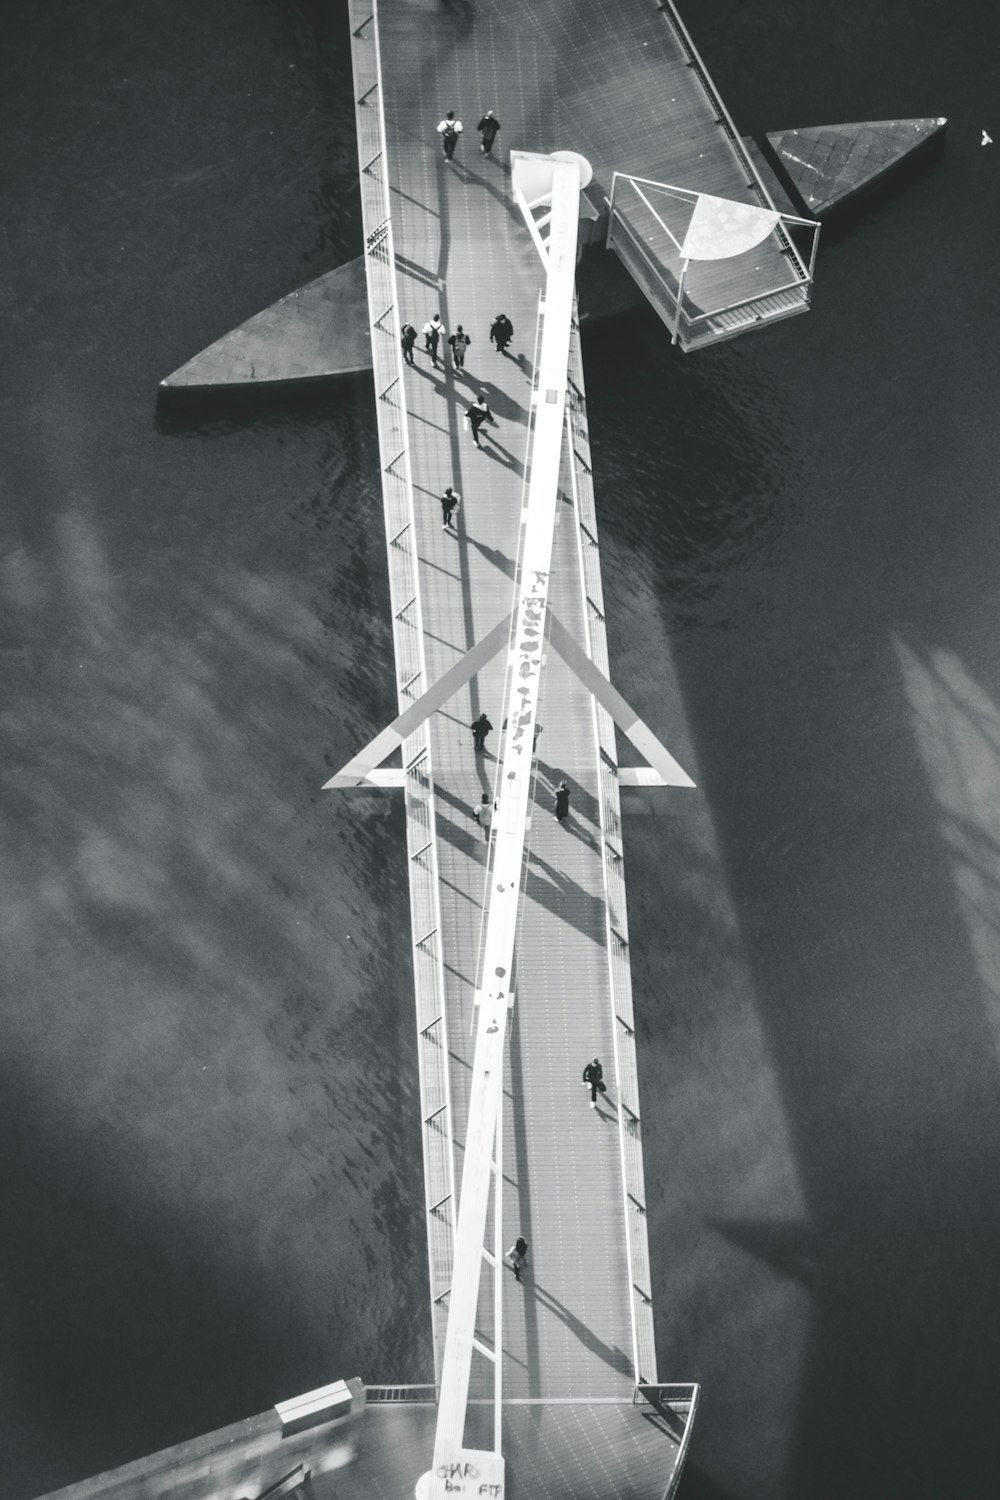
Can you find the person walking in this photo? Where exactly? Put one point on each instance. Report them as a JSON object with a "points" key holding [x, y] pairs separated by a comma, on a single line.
{"points": [[459, 342], [449, 130], [480, 727], [593, 1074], [450, 501], [484, 815], [433, 329], [501, 332], [562, 802], [476, 415], [408, 337], [518, 1255], [489, 129]]}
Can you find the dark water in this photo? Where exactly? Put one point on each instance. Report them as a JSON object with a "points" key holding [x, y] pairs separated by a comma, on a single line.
{"points": [[211, 1173]]}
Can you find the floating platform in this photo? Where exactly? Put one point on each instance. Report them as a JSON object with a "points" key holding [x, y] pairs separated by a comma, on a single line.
{"points": [[828, 166], [318, 331]]}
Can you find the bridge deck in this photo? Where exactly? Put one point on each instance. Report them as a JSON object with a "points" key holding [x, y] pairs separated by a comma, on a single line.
{"points": [[580, 1325], [462, 250]]}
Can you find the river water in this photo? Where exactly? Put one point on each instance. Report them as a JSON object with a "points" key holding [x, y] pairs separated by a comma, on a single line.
{"points": [[211, 1171]]}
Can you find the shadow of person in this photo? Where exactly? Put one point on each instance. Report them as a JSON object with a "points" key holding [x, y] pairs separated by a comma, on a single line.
{"points": [[497, 193], [491, 554], [502, 455], [616, 1358], [499, 402]]}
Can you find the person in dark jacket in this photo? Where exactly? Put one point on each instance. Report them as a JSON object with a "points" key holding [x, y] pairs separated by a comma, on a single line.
{"points": [[501, 332], [489, 129], [480, 727], [478, 413], [459, 342], [450, 501], [408, 337], [593, 1074], [518, 1255], [562, 801]]}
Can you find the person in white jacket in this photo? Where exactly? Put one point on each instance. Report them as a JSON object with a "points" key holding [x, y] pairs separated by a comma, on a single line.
{"points": [[484, 815], [432, 331], [449, 130]]}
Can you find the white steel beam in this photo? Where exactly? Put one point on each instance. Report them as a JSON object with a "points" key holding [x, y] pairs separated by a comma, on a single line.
{"points": [[451, 1458]]}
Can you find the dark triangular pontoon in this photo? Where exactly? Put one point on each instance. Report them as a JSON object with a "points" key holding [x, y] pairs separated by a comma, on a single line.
{"points": [[827, 165], [317, 331]]}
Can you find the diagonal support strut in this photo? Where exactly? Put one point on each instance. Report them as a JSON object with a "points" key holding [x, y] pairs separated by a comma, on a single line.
{"points": [[360, 771]]}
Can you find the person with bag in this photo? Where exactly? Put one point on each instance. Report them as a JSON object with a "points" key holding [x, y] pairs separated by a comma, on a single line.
{"points": [[478, 413], [459, 342], [450, 501], [593, 1074], [484, 815], [433, 329], [449, 130]]}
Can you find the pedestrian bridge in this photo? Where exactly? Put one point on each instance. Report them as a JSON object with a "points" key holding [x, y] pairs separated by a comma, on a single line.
{"points": [[466, 240]]}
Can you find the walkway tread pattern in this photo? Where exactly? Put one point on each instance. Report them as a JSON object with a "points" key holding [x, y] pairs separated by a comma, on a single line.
{"points": [[462, 251]]}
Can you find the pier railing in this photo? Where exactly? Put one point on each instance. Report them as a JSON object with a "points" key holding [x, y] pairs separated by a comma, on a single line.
{"points": [[580, 479], [652, 253], [411, 669], [722, 116], [675, 1407]]}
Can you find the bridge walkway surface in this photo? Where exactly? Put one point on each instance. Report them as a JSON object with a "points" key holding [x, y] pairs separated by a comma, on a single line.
{"points": [[462, 250]]}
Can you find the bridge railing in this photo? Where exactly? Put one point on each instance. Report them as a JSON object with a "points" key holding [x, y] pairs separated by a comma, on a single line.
{"points": [[617, 940], [675, 1406], [643, 242], [398, 1395], [411, 669], [724, 119]]}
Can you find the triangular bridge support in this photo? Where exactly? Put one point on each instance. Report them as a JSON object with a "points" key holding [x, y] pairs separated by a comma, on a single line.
{"points": [[363, 769]]}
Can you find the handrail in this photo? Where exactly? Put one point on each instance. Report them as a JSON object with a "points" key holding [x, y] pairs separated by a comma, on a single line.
{"points": [[613, 880], [689, 320], [719, 312], [714, 97], [665, 1394], [725, 119], [409, 650]]}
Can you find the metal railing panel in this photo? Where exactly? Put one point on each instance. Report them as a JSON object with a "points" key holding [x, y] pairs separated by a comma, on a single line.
{"points": [[411, 671], [616, 934], [695, 331], [754, 180]]}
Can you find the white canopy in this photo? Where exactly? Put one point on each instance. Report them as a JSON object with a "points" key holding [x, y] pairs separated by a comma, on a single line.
{"points": [[720, 228]]}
